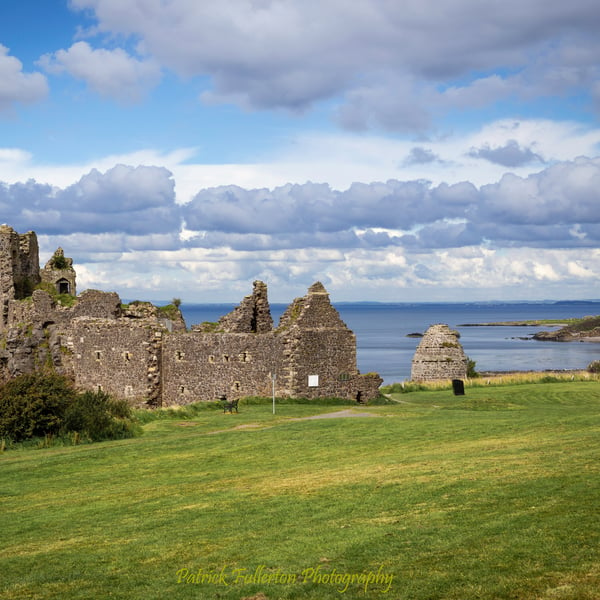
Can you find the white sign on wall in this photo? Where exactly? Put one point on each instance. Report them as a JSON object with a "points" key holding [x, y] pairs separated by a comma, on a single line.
{"points": [[313, 381]]}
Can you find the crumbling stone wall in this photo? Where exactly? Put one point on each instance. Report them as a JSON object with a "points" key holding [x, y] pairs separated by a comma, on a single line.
{"points": [[320, 351], [98, 305], [19, 267], [204, 366], [30, 340], [439, 355], [252, 315], [115, 356]]}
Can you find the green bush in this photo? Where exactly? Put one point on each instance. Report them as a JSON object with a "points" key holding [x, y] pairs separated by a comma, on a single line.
{"points": [[471, 372], [33, 405], [96, 416], [59, 261], [44, 405]]}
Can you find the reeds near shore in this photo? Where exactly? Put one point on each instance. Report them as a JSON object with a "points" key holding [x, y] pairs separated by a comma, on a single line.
{"points": [[495, 379]]}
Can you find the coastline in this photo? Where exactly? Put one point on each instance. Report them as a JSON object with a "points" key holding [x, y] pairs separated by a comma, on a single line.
{"points": [[516, 324]]}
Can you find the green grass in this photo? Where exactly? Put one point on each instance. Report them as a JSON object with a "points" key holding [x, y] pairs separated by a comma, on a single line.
{"points": [[493, 495]]}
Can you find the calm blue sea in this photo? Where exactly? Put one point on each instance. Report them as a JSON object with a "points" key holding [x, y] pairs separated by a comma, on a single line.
{"points": [[382, 345]]}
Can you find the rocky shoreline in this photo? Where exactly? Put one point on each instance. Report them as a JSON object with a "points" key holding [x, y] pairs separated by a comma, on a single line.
{"points": [[567, 336], [584, 330]]}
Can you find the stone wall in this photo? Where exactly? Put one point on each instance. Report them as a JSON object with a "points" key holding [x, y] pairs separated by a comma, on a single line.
{"points": [[115, 356], [253, 315], [319, 349], [99, 305], [204, 366], [439, 356]]}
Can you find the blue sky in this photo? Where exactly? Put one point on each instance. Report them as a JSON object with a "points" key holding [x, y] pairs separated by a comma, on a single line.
{"points": [[415, 151]]}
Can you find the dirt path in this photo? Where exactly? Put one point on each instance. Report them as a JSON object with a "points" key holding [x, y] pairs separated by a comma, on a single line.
{"points": [[335, 415]]}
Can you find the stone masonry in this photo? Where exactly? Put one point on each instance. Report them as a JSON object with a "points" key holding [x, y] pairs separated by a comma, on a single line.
{"points": [[59, 273], [439, 355], [145, 353]]}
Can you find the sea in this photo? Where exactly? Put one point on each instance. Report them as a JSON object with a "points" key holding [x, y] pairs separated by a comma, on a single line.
{"points": [[382, 328]]}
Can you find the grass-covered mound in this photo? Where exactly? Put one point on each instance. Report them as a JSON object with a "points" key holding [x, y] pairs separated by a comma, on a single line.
{"points": [[576, 329], [492, 495]]}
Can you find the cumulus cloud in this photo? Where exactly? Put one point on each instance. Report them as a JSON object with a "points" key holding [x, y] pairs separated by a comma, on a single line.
{"points": [[565, 193], [555, 208], [317, 208], [421, 156], [112, 73], [509, 155], [135, 201], [392, 65], [17, 86]]}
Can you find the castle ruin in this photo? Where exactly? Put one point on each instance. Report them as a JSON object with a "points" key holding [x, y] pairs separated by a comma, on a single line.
{"points": [[145, 353]]}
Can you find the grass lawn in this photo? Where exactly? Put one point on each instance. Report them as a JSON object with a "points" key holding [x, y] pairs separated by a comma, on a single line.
{"points": [[494, 495]]}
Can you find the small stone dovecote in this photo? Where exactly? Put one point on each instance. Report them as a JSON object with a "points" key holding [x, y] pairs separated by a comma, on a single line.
{"points": [[439, 355]]}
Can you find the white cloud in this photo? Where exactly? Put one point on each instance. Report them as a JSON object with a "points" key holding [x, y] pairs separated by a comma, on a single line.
{"points": [[134, 201], [509, 155], [112, 73], [338, 159], [17, 86], [565, 193], [395, 65]]}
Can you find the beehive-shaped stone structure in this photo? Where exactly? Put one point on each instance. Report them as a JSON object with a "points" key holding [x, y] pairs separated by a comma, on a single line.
{"points": [[439, 356]]}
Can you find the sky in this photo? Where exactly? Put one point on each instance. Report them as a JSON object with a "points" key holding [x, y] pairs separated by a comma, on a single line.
{"points": [[414, 151]]}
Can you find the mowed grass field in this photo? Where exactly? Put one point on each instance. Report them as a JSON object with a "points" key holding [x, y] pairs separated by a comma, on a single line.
{"points": [[494, 495]]}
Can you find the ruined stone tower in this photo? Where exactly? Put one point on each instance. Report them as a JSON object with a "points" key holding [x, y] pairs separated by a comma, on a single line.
{"points": [[59, 273], [19, 267], [439, 355]]}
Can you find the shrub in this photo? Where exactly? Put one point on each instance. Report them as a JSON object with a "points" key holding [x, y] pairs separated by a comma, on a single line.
{"points": [[170, 311], [594, 366], [59, 261], [43, 405], [471, 372], [34, 405], [67, 300], [97, 416]]}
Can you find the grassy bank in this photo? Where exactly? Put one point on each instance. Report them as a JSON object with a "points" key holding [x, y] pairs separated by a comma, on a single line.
{"points": [[495, 379], [492, 495]]}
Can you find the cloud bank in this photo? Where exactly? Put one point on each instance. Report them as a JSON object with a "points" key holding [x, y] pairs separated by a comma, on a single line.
{"points": [[368, 235], [394, 66]]}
